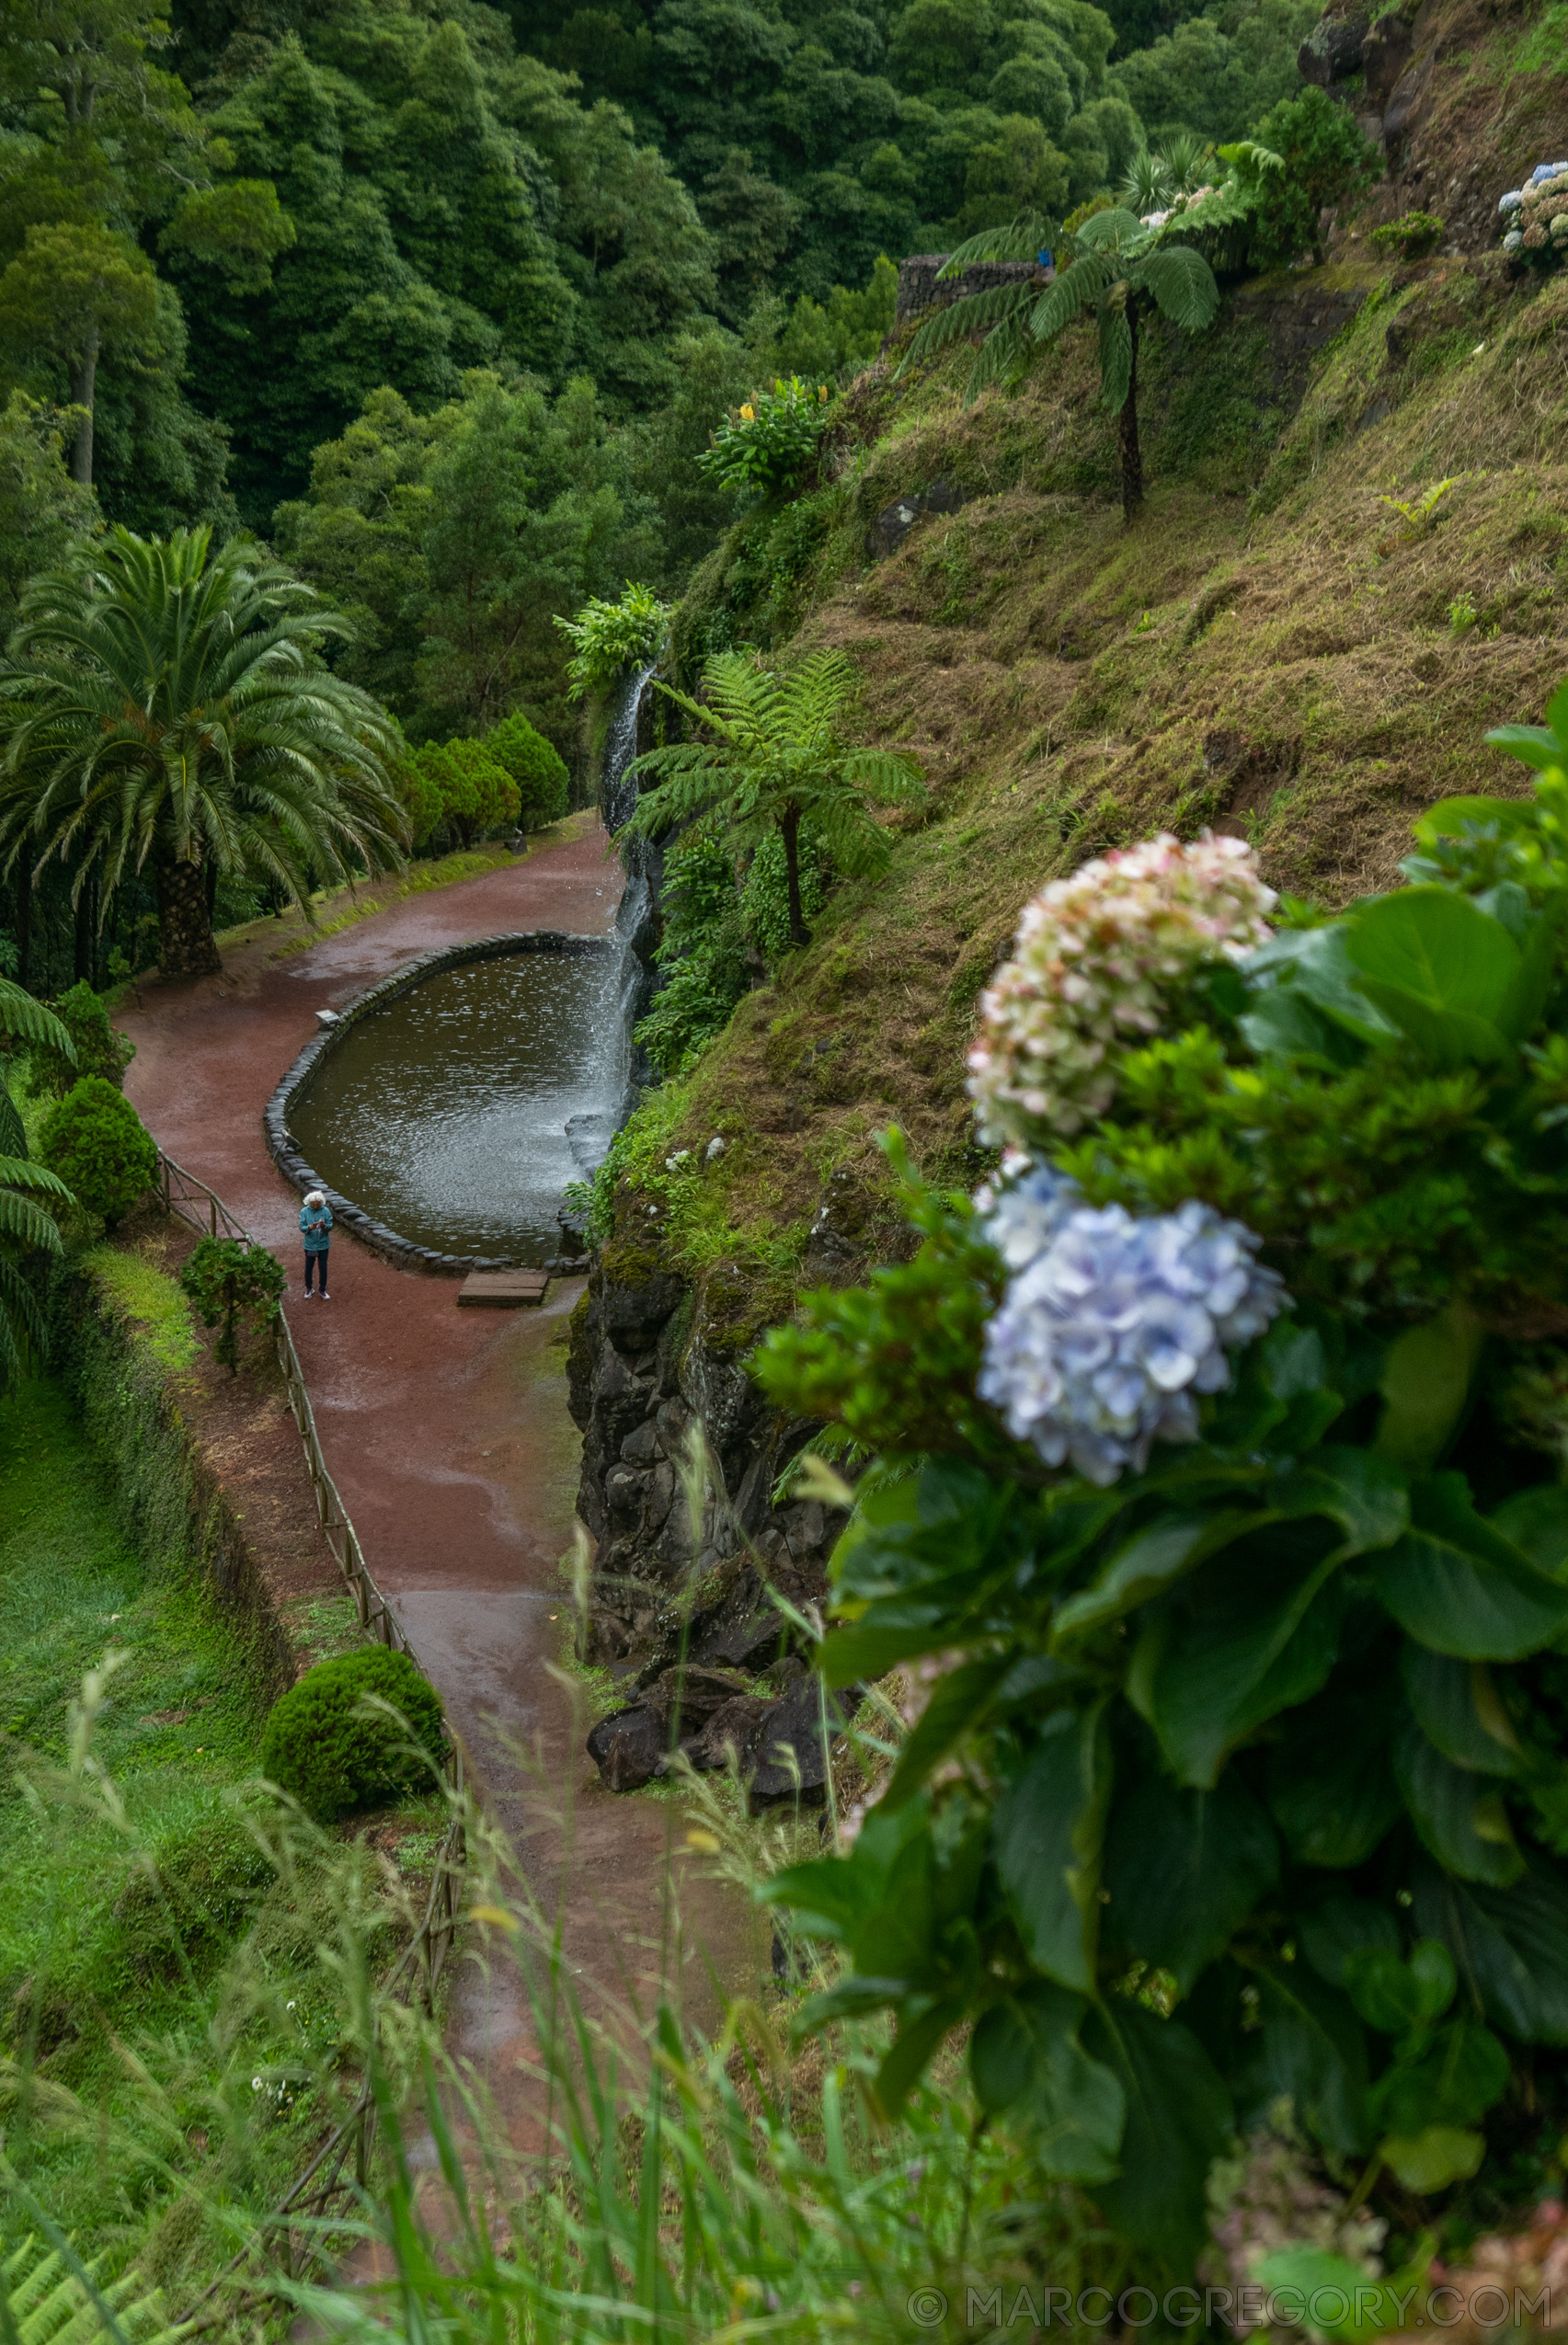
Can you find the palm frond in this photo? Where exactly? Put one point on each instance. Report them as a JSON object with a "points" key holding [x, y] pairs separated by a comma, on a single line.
{"points": [[1183, 285]]}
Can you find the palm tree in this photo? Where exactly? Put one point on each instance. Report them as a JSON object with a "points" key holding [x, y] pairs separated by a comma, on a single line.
{"points": [[774, 757], [166, 708], [24, 1223], [1114, 266]]}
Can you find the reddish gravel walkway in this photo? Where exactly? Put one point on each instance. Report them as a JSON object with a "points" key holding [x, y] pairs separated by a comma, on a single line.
{"points": [[446, 1431]]}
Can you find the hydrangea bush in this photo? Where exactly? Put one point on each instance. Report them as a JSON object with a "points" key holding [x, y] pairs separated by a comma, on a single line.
{"points": [[1534, 217], [1095, 962], [1204, 1485]]}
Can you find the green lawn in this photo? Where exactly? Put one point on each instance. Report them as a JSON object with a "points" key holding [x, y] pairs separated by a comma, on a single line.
{"points": [[174, 2032]]}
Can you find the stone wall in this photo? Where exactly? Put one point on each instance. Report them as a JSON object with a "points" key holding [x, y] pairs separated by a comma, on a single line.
{"points": [[921, 287], [653, 1360]]}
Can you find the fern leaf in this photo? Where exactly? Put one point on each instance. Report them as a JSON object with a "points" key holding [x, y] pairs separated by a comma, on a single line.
{"points": [[1114, 228], [1079, 289], [974, 314], [1022, 239], [29, 1021], [1116, 358], [1181, 283]]}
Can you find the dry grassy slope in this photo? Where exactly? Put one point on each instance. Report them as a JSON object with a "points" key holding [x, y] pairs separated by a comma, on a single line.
{"points": [[1264, 650]]}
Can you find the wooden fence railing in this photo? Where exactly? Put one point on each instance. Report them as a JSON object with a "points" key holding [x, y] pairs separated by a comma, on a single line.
{"points": [[330, 2179]]}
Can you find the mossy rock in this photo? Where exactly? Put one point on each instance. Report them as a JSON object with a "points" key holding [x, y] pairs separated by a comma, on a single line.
{"points": [[319, 1747]]}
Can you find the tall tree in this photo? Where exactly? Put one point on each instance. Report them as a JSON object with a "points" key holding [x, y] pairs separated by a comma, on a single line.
{"points": [[165, 708], [770, 754]]}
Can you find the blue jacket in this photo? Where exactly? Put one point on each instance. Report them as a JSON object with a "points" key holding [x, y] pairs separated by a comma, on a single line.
{"points": [[317, 1223]]}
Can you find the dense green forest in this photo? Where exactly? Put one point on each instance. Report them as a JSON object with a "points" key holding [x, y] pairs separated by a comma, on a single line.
{"points": [[444, 302]]}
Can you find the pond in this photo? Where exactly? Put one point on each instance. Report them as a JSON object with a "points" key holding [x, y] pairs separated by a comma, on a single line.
{"points": [[458, 1113]]}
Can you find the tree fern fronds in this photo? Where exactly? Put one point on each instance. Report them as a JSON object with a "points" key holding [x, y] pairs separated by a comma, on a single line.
{"points": [[1022, 239], [24, 1020], [1078, 290], [1183, 285], [1115, 226], [973, 313]]}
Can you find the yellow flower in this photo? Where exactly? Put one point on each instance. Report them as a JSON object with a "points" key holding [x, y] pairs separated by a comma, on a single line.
{"points": [[748, 414], [822, 393]]}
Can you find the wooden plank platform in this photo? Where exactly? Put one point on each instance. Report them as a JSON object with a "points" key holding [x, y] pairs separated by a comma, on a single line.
{"points": [[504, 1290]]}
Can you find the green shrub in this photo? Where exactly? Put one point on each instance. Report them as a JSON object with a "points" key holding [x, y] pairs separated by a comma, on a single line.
{"points": [[101, 1049], [194, 1897], [317, 1746], [1412, 236], [609, 637], [97, 1144], [770, 441], [1327, 159], [228, 1281], [536, 768]]}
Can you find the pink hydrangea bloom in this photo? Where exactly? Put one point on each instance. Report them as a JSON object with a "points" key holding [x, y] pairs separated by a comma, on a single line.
{"points": [[1093, 961]]}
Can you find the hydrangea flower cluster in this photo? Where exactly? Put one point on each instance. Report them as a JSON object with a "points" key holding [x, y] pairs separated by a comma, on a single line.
{"points": [[1092, 959], [1535, 216], [1114, 1325]]}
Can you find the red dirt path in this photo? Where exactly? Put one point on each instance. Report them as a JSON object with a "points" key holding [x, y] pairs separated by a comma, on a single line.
{"points": [[446, 1431]]}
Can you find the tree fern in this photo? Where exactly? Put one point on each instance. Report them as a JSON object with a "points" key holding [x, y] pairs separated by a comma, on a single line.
{"points": [[43, 2301], [25, 1225], [769, 755]]}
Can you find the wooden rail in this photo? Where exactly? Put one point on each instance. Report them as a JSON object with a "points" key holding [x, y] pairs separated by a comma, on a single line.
{"points": [[338, 2170]]}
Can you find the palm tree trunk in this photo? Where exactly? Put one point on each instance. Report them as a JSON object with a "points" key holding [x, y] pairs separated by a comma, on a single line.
{"points": [[83, 374], [185, 923], [789, 827], [1127, 426]]}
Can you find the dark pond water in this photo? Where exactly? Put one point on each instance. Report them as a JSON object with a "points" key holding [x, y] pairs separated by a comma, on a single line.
{"points": [[446, 1115]]}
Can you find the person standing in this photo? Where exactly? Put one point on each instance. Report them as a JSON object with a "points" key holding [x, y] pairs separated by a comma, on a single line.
{"points": [[315, 1223]]}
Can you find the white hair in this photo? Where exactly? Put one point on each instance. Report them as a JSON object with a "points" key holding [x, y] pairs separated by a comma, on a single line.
{"points": [[315, 1198]]}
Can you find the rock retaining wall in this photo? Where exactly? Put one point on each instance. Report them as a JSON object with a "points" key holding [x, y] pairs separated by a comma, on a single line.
{"points": [[275, 1115]]}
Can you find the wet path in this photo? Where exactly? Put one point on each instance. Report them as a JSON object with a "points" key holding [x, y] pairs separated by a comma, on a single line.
{"points": [[446, 1431]]}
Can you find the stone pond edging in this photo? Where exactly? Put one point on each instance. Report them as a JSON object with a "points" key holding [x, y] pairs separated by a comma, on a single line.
{"points": [[274, 1115]]}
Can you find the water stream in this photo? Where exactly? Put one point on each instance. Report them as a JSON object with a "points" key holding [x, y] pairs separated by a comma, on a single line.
{"points": [[458, 1113]]}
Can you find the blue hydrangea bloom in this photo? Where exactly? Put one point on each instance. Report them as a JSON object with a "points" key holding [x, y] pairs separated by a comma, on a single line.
{"points": [[1114, 1325]]}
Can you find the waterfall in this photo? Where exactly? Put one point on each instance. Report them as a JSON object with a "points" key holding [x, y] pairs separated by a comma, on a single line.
{"points": [[617, 796]]}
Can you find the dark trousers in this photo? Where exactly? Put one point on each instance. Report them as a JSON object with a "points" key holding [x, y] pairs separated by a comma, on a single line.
{"points": [[316, 1262]]}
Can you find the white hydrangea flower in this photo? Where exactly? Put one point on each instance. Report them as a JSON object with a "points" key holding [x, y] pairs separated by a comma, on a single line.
{"points": [[1093, 959], [1114, 1325]]}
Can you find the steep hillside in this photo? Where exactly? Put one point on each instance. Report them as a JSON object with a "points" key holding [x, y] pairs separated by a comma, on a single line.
{"points": [[1271, 648]]}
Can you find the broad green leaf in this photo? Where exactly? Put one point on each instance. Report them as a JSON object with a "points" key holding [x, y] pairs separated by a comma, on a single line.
{"points": [[1536, 1522], [1456, 1706], [1446, 973], [1330, 1785], [917, 2039], [1153, 1560], [1047, 1833], [1314, 962], [1461, 2074], [1510, 1946], [1178, 2120], [1184, 1869], [855, 1997], [1537, 746], [1364, 1493], [1024, 2055], [1319, 2278], [1425, 1384], [957, 1700], [1386, 1992], [1432, 2159], [867, 1650], [1262, 1643], [1448, 817], [1342, 1927], [1308, 2050], [1459, 1818], [1455, 1583]]}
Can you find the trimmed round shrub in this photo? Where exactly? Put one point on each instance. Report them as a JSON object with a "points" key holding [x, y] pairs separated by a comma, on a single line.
{"points": [[535, 765], [101, 1049], [100, 1148], [315, 1747]]}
